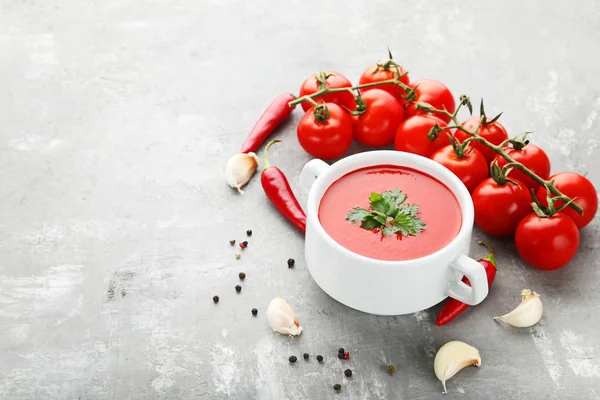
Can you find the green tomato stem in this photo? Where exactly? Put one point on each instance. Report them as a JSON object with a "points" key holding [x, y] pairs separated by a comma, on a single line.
{"points": [[454, 118]]}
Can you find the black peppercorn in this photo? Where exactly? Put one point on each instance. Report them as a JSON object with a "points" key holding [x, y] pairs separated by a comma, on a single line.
{"points": [[242, 275], [216, 299], [238, 288], [337, 387], [254, 311], [293, 359], [341, 350], [249, 232], [320, 358], [341, 356], [305, 355], [291, 262], [348, 372]]}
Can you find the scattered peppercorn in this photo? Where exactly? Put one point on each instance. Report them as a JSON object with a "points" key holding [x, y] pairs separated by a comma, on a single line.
{"points": [[306, 356], [341, 356], [320, 358], [249, 232], [237, 256], [348, 372], [216, 299], [337, 387], [232, 242], [346, 355], [244, 244], [391, 369], [238, 288], [254, 311], [242, 275], [291, 263], [293, 359], [341, 350]]}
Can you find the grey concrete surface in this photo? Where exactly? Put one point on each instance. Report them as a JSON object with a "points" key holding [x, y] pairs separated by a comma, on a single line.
{"points": [[116, 119]]}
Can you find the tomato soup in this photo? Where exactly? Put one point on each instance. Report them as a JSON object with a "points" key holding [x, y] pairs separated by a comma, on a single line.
{"points": [[438, 209]]}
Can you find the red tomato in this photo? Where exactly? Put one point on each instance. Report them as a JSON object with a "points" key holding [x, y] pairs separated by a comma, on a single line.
{"points": [[494, 133], [547, 243], [335, 80], [376, 74], [328, 139], [377, 126], [471, 169], [412, 137], [434, 93], [533, 158], [574, 186], [500, 208]]}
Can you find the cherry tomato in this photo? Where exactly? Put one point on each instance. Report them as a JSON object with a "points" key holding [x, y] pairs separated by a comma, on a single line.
{"points": [[334, 80], [412, 135], [547, 242], [493, 132], [471, 169], [376, 73], [533, 158], [328, 139], [377, 125], [500, 208], [578, 187], [432, 92]]}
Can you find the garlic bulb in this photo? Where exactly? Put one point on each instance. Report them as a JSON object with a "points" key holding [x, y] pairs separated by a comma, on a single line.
{"points": [[239, 169], [281, 317], [452, 357], [528, 312]]}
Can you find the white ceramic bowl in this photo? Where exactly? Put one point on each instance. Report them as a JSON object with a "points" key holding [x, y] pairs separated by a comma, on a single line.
{"points": [[390, 287]]}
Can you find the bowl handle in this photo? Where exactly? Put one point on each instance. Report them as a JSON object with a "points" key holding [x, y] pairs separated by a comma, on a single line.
{"points": [[311, 172], [478, 290]]}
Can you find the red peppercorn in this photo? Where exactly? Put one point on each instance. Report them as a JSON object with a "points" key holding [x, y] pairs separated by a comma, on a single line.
{"points": [[346, 355]]}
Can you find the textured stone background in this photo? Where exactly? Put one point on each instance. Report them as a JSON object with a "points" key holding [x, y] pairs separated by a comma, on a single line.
{"points": [[116, 119]]}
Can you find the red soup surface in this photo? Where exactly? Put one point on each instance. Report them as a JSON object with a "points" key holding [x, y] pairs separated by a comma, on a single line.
{"points": [[438, 208]]}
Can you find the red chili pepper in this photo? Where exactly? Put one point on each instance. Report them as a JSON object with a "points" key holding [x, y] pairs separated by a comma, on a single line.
{"points": [[275, 114], [452, 307], [278, 190]]}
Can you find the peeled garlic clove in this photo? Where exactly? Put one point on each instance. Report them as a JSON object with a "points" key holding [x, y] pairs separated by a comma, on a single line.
{"points": [[528, 313], [452, 357], [281, 317], [239, 169]]}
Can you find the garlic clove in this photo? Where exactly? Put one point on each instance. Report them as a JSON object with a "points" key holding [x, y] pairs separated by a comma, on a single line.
{"points": [[527, 313], [239, 169], [451, 358], [281, 317]]}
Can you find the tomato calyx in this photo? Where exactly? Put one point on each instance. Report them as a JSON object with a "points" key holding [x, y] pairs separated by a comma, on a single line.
{"points": [[460, 149], [466, 101], [551, 209], [322, 77], [520, 141], [485, 121], [499, 175], [321, 112], [361, 106], [434, 132], [390, 65]]}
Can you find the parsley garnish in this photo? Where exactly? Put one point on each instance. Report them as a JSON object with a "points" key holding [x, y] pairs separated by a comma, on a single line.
{"points": [[389, 214]]}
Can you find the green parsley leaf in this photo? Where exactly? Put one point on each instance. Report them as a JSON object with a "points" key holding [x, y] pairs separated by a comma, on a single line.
{"points": [[388, 206]]}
